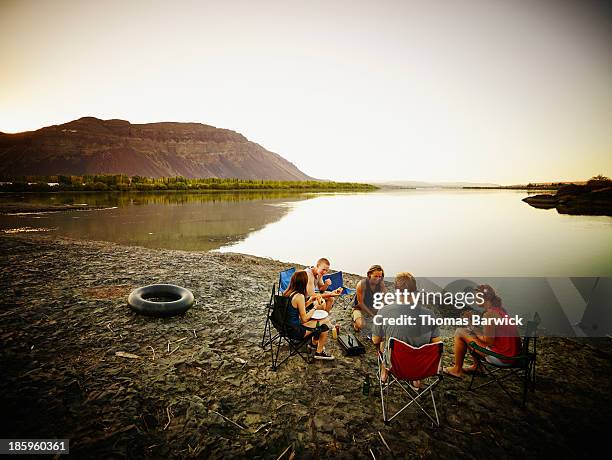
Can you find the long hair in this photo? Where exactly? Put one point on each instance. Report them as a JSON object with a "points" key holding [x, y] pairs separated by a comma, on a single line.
{"points": [[298, 283], [375, 268], [491, 296]]}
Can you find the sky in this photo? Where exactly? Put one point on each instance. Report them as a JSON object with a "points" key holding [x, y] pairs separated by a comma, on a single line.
{"points": [[481, 90]]}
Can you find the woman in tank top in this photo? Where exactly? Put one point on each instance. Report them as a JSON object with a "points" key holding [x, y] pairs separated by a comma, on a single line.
{"points": [[300, 320], [503, 339]]}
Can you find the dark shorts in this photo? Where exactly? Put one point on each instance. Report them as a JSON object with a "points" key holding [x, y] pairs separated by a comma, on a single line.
{"points": [[298, 332]]}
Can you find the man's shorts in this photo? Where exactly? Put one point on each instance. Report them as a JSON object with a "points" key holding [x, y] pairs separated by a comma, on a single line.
{"points": [[357, 314]]}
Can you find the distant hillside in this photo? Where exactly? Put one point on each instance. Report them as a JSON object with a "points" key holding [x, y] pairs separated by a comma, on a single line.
{"points": [[93, 146]]}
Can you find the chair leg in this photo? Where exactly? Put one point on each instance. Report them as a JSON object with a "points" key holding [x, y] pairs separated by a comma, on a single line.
{"points": [[526, 383], [433, 401], [471, 381], [383, 387], [275, 362], [266, 329]]}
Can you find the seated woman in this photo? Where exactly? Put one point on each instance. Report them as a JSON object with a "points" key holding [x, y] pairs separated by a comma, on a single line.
{"points": [[364, 299], [300, 322], [503, 339]]}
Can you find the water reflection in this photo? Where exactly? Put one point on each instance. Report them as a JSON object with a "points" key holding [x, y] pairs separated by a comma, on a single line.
{"points": [[187, 221], [429, 233]]}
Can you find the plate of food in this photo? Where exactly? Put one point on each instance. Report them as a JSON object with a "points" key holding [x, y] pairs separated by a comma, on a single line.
{"points": [[319, 314]]}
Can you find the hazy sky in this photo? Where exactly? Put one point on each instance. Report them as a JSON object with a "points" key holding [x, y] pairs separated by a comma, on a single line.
{"points": [[499, 91]]}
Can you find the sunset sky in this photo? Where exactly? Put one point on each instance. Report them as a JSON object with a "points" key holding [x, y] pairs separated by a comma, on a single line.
{"points": [[485, 91]]}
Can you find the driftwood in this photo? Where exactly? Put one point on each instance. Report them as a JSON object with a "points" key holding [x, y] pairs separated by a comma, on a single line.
{"points": [[262, 426], [124, 354], [229, 420], [169, 418], [284, 452], [153, 350], [384, 442]]}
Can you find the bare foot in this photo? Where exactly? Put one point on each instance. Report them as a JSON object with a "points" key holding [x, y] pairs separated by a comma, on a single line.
{"points": [[474, 368], [453, 372]]}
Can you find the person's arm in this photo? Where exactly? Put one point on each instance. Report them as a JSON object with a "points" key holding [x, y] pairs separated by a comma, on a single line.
{"points": [[334, 293], [435, 335], [301, 306], [377, 341], [488, 331], [360, 304], [324, 285]]}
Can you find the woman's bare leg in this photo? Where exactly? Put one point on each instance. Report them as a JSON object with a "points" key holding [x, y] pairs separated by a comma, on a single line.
{"points": [[462, 337], [320, 343]]}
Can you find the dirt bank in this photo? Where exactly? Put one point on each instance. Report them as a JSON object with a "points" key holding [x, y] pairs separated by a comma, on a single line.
{"points": [[63, 318]]}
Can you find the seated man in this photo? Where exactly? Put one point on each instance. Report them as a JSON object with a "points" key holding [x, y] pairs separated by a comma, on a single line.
{"points": [[315, 281], [363, 307], [416, 334]]}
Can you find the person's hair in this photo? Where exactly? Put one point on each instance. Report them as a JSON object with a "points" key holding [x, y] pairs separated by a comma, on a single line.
{"points": [[298, 283], [375, 268], [405, 281], [323, 260], [489, 295]]}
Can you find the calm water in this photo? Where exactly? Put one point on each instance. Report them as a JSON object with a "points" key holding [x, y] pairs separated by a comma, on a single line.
{"points": [[430, 233]]}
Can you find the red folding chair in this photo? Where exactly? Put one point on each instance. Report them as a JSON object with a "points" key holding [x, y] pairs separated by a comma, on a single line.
{"points": [[407, 365]]}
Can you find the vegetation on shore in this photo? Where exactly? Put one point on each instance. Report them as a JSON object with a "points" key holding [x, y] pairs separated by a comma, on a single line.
{"points": [[595, 181], [592, 198], [121, 182]]}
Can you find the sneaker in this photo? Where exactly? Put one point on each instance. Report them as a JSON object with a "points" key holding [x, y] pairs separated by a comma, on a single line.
{"points": [[323, 355]]}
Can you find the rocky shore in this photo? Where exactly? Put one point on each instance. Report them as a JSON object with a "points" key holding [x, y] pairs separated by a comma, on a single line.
{"points": [[76, 363], [593, 200]]}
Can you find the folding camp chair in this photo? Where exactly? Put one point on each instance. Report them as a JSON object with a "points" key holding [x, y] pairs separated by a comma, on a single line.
{"points": [[278, 321], [499, 367], [284, 278], [409, 363], [338, 281]]}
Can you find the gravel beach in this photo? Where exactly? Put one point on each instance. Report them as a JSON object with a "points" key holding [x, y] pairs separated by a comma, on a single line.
{"points": [[199, 385]]}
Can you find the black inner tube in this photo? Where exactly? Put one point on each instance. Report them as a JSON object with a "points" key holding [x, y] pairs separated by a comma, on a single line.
{"points": [[161, 297]]}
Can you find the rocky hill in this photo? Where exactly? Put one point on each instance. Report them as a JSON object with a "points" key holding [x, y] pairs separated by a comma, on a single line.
{"points": [[93, 146]]}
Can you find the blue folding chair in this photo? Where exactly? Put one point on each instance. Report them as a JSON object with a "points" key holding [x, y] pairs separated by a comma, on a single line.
{"points": [[338, 281], [284, 278]]}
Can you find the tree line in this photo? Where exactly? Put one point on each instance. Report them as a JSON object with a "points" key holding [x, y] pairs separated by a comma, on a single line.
{"points": [[122, 182]]}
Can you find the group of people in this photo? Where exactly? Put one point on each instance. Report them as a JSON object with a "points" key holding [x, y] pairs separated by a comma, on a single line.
{"points": [[305, 300]]}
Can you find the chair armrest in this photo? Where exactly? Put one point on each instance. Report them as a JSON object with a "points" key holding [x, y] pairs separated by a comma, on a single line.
{"points": [[488, 352]]}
